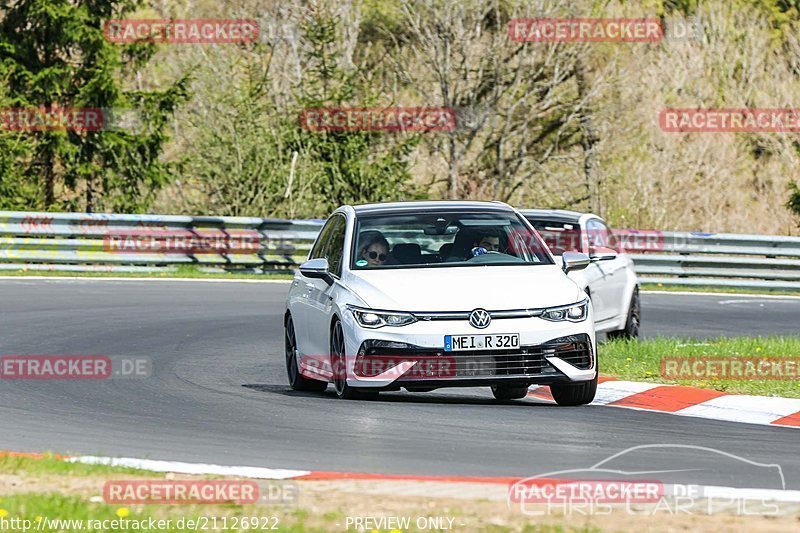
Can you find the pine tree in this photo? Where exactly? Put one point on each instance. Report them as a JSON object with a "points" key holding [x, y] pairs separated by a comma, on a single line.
{"points": [[54, 54]]}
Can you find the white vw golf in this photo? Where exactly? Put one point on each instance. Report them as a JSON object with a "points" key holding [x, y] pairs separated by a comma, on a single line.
{"points": [[423, 295]]}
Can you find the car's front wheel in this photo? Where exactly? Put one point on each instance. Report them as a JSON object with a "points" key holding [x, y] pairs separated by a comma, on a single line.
{"points": [[633, 322], [506, 392], [574, 393], [339, 366], [296, 380]]}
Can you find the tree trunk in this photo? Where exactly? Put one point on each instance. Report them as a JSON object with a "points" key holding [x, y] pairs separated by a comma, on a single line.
{"points": [[49, 178], [589, 141], [89, 195], [453, 170]]}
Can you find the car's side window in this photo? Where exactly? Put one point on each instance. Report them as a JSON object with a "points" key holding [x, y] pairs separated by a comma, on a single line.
{"points": [[320, 248], [599, 234], [334, 249]]}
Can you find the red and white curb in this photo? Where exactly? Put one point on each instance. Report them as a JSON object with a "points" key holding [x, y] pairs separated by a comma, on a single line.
{"points": [[691, 401], [459, 487]]}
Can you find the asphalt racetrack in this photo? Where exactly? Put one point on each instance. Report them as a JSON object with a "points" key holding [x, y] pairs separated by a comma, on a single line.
{"points": [[218, 393]]}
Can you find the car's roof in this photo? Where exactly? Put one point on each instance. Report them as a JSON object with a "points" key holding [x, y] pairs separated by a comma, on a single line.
{"points": [[427, 205], [555, 215]]}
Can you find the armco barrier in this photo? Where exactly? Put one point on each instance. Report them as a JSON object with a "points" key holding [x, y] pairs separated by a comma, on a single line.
{"points": [[80, 242], [722, 260], [85, 242]]}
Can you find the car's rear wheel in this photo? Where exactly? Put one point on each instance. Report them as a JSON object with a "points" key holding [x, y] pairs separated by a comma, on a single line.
{"points": [[296, 380], [632, 325], [574, 393], [507, 392], [339, 366]]}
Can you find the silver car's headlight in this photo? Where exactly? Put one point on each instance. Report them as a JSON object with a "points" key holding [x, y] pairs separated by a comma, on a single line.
{"points": [[370, 318], [574, 313]]}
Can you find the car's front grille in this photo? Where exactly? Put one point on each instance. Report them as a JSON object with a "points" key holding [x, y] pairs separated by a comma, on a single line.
{"points": [[524, 362], [376, 357]]}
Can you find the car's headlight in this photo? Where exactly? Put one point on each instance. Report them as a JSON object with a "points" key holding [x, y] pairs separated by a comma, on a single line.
{"points": [[573, 313], [370, 318]]}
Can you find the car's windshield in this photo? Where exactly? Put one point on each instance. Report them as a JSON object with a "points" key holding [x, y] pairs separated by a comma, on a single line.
{"points": [[560, 237], [445, 239]]}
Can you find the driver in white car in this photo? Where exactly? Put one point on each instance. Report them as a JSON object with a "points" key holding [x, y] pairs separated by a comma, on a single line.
{"points": [[488, 239]]}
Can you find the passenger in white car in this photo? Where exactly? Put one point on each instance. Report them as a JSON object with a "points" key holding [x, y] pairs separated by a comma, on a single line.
{"points": [[374, 248]]}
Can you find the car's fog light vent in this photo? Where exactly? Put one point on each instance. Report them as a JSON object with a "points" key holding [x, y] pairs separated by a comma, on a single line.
{"points": [[575, 350]]}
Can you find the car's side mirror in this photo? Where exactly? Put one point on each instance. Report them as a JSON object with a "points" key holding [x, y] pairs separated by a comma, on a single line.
{"points": [[574, 261], [318, 269], [601, 253]]}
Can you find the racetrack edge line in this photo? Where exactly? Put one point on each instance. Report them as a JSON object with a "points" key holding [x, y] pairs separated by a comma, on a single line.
{"points": [[310, 475]]}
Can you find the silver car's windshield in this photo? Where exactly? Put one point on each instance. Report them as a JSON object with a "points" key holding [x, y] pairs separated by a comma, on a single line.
{"points": [[445, 239]]}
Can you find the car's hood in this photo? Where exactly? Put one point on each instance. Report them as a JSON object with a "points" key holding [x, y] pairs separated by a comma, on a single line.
{"points": [[464, 288]]}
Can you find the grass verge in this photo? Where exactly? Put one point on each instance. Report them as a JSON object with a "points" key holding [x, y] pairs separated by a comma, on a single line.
{"points": [[48, 494], [709, 288], [42, 495], [49, 464], [642, 361]]}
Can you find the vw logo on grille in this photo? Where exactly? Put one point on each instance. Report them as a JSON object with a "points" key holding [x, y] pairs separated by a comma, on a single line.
{"points": [[480, 318]]}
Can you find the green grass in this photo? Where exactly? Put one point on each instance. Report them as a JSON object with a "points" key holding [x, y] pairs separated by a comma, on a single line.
{"points": [[641, 361], [80, 499], [51, 464], [709, 288], [51, 506], [46, 507]]}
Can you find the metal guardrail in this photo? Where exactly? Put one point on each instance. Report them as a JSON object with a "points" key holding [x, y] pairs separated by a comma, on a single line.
{"points": [[721, 260], [150, 243], [85, 242]]}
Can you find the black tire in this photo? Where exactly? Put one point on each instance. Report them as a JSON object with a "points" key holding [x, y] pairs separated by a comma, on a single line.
{"points": [[633, 324], [509, 392], [574, 393], [338, 364], [296, 380]]}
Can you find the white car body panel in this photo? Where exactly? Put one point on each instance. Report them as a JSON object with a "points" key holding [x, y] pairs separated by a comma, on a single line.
{"points": [[464, 288], [314, 305], [610, 283]]}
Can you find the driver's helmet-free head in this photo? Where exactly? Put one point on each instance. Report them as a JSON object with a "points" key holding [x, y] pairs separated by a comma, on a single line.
{"points": [[489, 238]]}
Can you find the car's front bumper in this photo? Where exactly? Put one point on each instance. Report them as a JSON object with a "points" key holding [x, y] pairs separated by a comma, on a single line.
{"points": [[413, 356]]}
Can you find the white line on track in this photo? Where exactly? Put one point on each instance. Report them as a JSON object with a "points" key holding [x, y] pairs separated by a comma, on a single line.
{"points": [[729, 294], [190, 468], [708, 491], [759, 301]]}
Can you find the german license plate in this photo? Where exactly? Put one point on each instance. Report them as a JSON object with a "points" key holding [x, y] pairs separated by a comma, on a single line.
{"points": [[495, 341]]}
